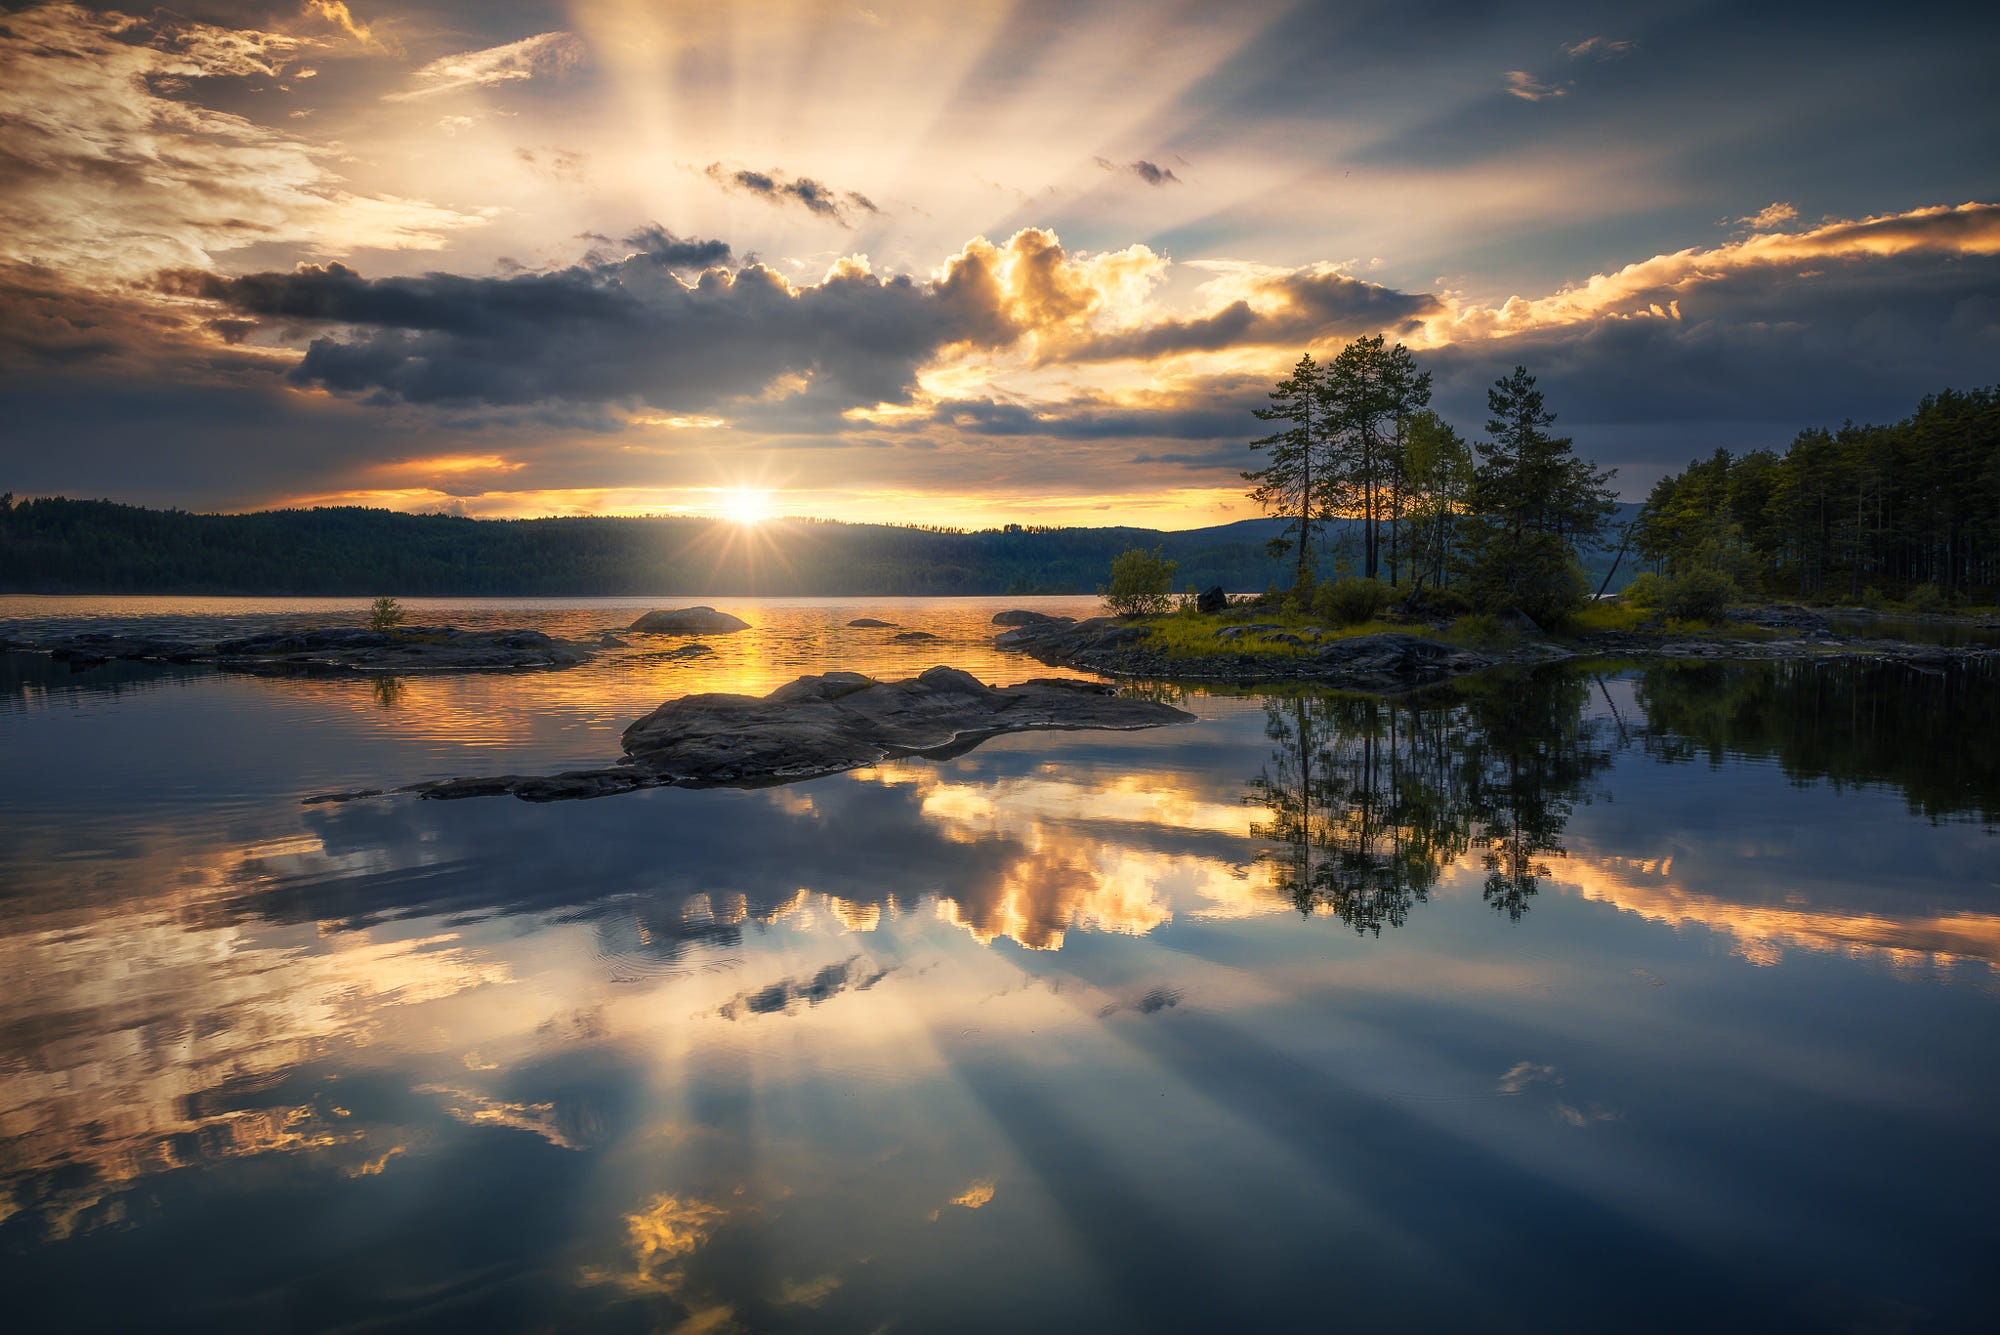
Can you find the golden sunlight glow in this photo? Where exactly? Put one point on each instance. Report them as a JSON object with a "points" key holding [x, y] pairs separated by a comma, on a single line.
{"points": [[743, 506]]}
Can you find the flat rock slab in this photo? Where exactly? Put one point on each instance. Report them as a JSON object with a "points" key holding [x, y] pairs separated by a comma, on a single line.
{"points": [[872, 624], [1021, 616], [822, 725], [689, 621], [336, 651]]}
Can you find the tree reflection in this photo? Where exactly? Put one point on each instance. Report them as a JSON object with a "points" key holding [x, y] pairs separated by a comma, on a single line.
{"points": [[1925, 730], [1369, 800]]}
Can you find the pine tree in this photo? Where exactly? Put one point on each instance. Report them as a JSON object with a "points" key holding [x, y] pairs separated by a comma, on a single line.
{"points": [[1294, 483]]}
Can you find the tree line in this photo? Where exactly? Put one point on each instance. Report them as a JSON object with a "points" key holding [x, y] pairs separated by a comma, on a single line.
{"points": [[1505, 521], [1912, 508], [58, 545]]}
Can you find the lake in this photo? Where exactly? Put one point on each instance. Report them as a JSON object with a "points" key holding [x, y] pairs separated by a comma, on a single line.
{"points": [[1605, 997]]}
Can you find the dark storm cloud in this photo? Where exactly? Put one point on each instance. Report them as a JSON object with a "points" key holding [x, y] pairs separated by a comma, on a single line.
{"points": [[663, 248], [814, 196], [617, 332], [1091, 419], [1291, 308]]}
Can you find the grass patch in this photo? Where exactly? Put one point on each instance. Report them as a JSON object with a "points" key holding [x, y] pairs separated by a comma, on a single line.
{"points": [[1198, 636], [1608, 616]]}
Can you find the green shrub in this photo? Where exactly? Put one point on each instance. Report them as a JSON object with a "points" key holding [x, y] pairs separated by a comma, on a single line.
{"points": [[1141, 583], [1437, 600], [1531, 573], [1646, 590], [1924, 598], [1350, 601], [384, 614], [1872, 599], [1701, 594]]}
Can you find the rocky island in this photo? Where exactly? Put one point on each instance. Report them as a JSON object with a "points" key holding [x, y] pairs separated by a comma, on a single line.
{"points": [[337, 651], [1247, 644], [820, 724]]}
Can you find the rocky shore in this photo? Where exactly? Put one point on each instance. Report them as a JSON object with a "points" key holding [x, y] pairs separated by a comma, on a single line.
{"points": [[817, 725], [1250, 651], [335, 652]]}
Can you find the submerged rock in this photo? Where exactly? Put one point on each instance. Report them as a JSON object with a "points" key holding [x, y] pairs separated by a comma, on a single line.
{"points": [[823, 724], [872, 624], [1021, 616], [689, 621], [912, 637]]}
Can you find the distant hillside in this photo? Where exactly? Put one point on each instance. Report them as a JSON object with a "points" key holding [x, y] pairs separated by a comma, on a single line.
{"points": [[64, 546]]}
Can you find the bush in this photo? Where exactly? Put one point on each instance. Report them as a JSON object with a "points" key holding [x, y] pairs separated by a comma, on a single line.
{"points": [[384, 614], [1350, 601], [1871, 598], [1701, 594], [1141, 583], [1532, 574], [1646, 590], [1924, 598], [1298, 600], [1437, 600]]}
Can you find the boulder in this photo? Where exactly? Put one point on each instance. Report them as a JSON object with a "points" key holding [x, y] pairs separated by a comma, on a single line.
{"points": [[1211, 600], [1021, 616], [822, 724], [689, 621]]}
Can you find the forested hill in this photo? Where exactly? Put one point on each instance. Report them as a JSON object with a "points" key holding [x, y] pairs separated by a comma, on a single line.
{"points": [[66, 546]]}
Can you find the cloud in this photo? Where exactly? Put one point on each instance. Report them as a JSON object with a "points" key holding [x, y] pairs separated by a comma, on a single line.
{"points": [[663, 248], [103, 174], [1655, 288], [1149, 172], [616, 332], [1602, 48], [1769, 217], [1525, 85], [776, 188], [337, 13], [545, 55], [784, 996]]}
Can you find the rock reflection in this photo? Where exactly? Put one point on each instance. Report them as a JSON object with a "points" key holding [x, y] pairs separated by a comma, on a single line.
{"points": [[1371, 799]]}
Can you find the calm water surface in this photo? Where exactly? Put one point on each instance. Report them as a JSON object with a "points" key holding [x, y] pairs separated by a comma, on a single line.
{"points": [[1654, 997]]}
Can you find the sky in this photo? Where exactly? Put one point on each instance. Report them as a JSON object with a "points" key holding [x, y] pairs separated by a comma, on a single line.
{"points": [[960, 264]]}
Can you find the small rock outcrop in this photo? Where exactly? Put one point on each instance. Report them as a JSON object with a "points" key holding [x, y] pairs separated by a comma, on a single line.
{"points": [[1021, 616], [871, 623], [335, 651], [689, 621], [1211, 600], [911, 637], [818, 725]]}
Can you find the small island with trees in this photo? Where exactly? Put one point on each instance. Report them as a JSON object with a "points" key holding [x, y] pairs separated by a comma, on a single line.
{"points": [[1450, 556]]}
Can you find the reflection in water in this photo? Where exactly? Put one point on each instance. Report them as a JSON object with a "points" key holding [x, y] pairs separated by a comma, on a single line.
{"points": [[1928, 731], [1373, 799], [1025, 1039]]}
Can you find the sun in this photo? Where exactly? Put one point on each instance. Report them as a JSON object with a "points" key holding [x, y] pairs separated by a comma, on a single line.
{"points": [[747, 507]]}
